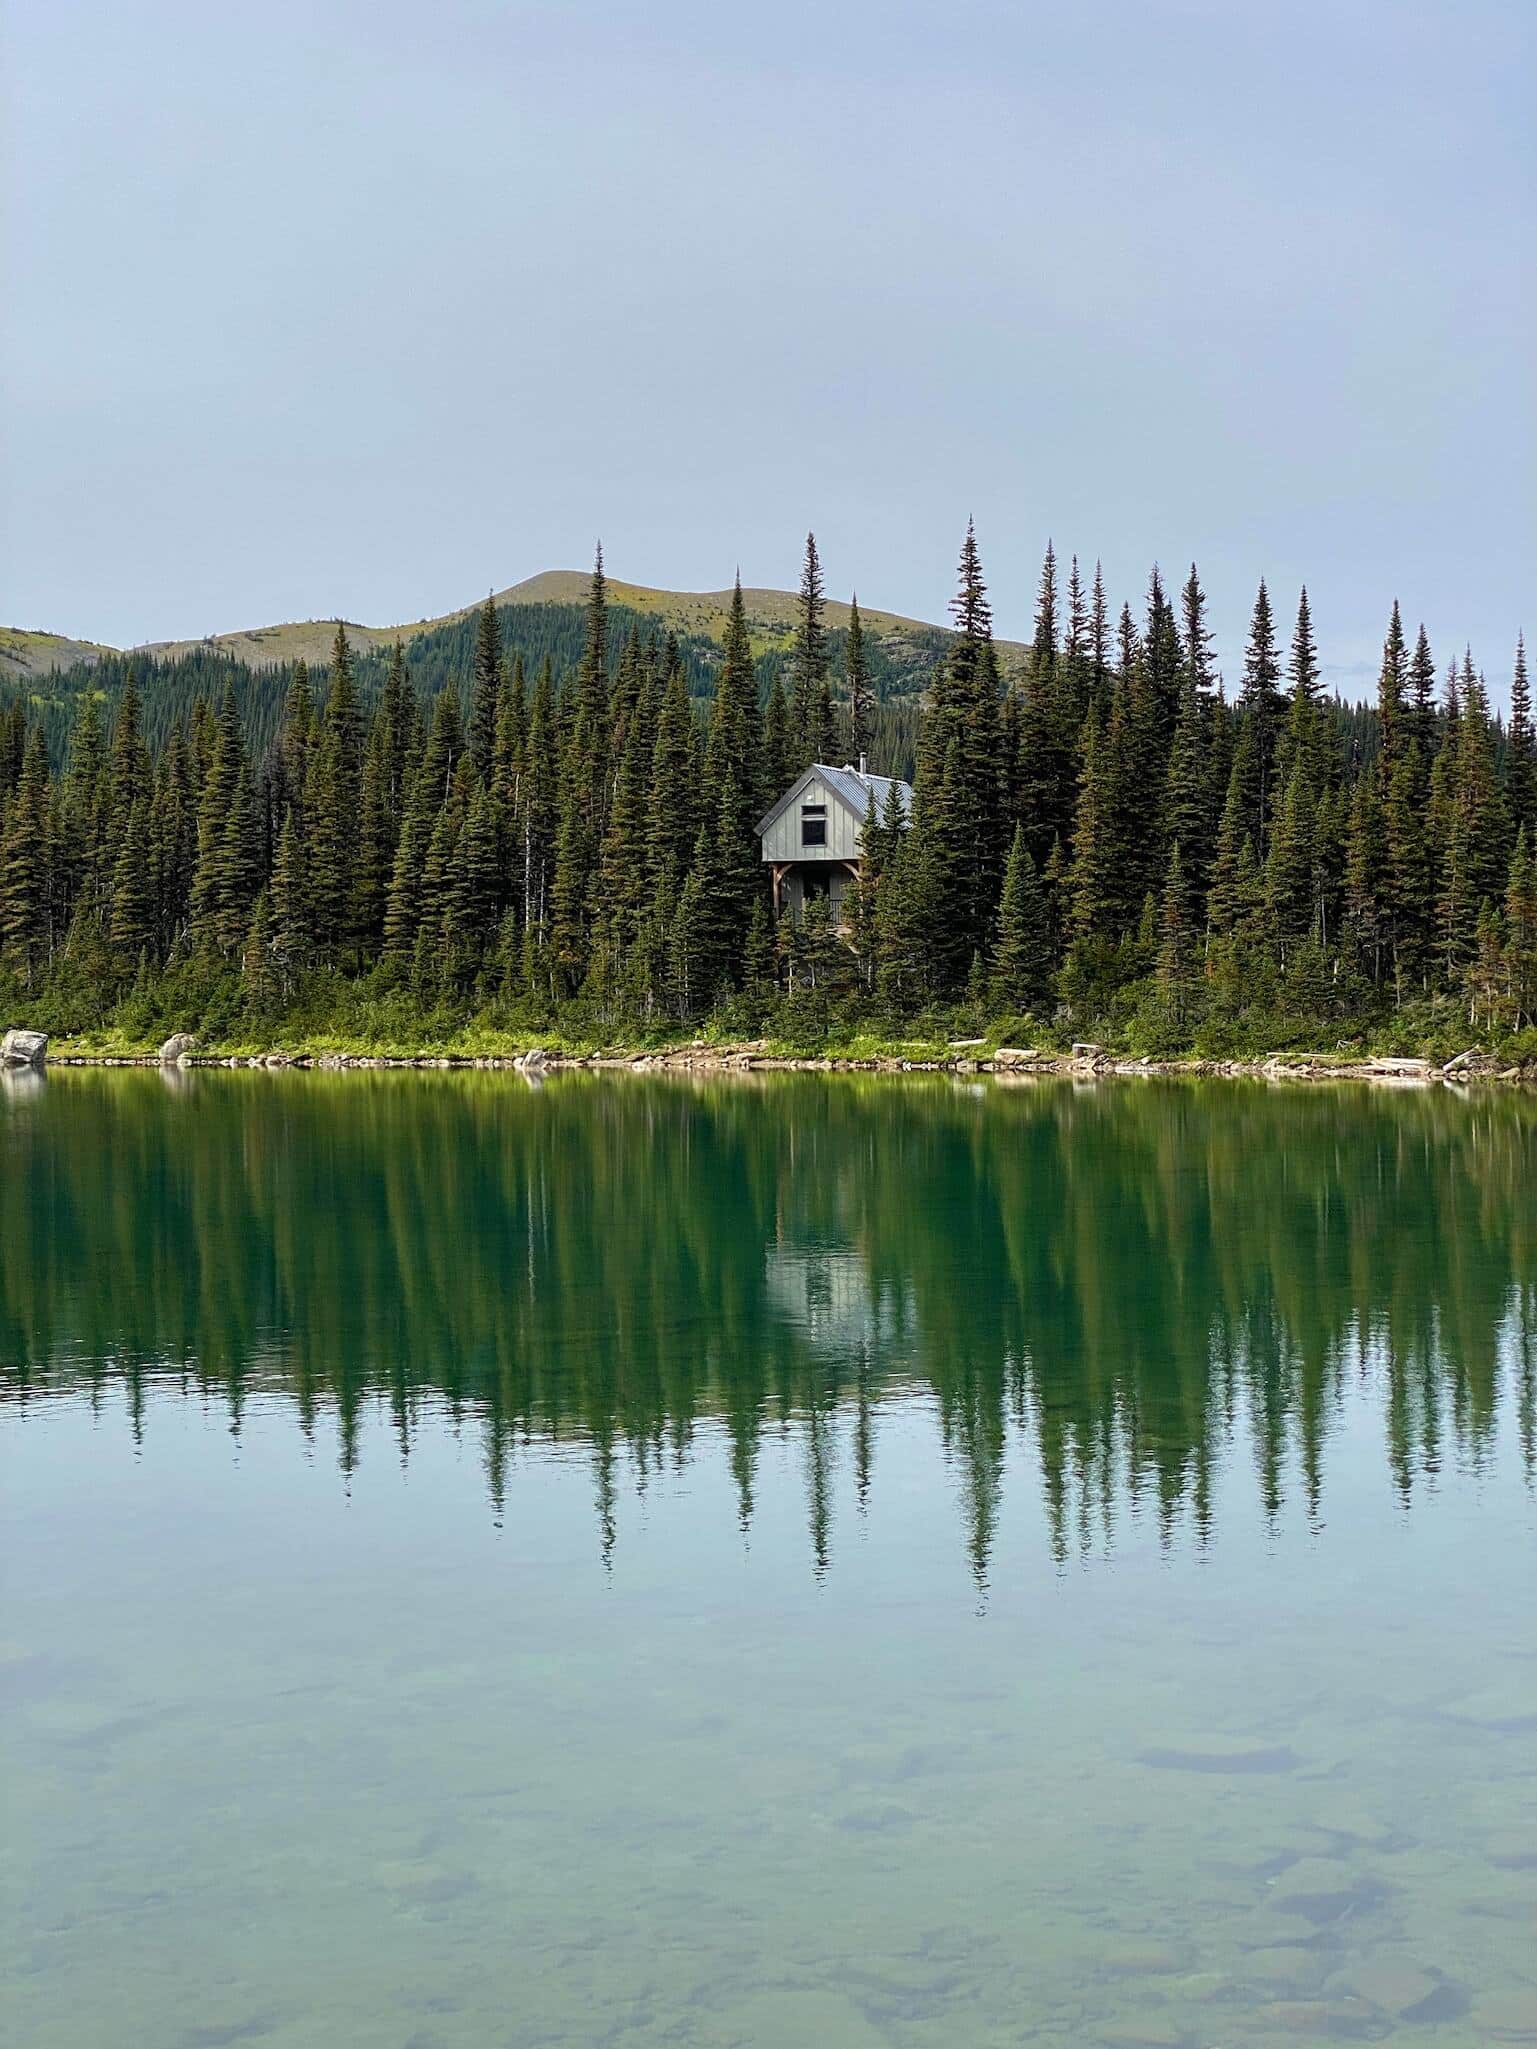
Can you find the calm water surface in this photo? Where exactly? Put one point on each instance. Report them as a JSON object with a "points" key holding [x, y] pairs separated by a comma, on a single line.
{"points": [[805, 1562]]}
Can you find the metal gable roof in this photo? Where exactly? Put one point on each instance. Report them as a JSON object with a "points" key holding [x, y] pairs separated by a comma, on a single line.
{"points": [[848, 785]]}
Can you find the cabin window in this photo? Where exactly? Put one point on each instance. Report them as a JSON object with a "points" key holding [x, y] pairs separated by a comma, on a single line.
{"points": [[813, 825]]}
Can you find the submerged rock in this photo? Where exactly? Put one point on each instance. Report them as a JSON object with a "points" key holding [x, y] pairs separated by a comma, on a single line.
{"points": [[1219, 1754], [1394, 1984], [1322, 2020], [1321, 1890], [1142, 1960], [1153, 2032], [23, 1049], [1497, 1710], [1293, 1972]]}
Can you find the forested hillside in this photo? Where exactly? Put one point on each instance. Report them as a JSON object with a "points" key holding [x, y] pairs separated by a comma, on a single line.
{"points": [[543, 818], [544, 616]]}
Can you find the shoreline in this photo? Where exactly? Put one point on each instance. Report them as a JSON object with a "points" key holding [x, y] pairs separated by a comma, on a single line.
{"points": [[961, 1059]]}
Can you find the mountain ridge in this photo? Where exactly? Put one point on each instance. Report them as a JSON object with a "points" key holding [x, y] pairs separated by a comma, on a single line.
{"points": [[26, 654]]}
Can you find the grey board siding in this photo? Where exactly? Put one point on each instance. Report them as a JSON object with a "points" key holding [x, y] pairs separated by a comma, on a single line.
{"points": [[782, 841], [844, 796]]}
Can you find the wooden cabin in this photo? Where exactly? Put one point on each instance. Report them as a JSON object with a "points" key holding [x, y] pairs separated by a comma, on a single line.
{"points": [[810, 837]]}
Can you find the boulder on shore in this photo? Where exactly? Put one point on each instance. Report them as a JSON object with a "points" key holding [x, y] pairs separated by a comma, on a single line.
{"points": [[23, 1049], [176, 1047]]}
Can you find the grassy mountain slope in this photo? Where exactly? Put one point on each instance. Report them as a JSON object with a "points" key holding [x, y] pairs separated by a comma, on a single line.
{"points": [[25, 655], [907, 643]]}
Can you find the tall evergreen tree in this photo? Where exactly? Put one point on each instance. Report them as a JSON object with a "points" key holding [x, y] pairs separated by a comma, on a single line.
{"points": [[731, 792], [1261, 702], [1178, 942], [1474, 871], [808, 658], [1021, 976], [1521, 934], [583, 797], [1392, 688], [957, 804], [26, 930], [1199, 662], [485, 688], [782, 749], [333, 802], [1521, 750]]}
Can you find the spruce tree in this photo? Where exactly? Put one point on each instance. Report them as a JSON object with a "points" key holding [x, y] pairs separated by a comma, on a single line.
{"points": [[333, 802], [583, 796], [485, 688], [623, 872], [1392, 688], [1022, 962], [473, 892], [1422, 694], [1474, 869], [296, 738], [1099, 640], [87, 807], [731, 790], [1075, 644], [1291, 865], [1408, 878], [1163, 655], [1521, 934], [1365, 865], [1226, 899], [958, 817], [1261, 703], [1521, 750], [134, 921], [808, 659], [538, 819], [384, 798], [26, 935], [1187, 800], [289, 908], [1095, 880], [674, 799], [257, 964], [212, 907], [1199, 662], [1042, 772], [173, 832], [861, 695], [782, 749], [1178, 943]]}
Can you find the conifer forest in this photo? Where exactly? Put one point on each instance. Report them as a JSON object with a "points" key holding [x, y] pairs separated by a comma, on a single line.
{"points": [[1104, 838]]}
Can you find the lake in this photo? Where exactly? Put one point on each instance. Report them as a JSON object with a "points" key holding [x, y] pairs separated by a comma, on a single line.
{"points": [[765, 1561]]}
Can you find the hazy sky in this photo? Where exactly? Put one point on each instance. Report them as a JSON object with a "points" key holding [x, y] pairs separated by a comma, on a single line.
{"points": [[365, 308]]}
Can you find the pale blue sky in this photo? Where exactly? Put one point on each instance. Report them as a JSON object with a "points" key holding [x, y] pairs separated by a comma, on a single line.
{"points": [[368, 307]]}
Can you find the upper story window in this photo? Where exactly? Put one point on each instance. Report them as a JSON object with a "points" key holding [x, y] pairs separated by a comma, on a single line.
{"points": [[813, 825]]}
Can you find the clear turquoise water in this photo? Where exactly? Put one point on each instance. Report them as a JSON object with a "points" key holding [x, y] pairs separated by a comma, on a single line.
{"points": [[646, 1563]]}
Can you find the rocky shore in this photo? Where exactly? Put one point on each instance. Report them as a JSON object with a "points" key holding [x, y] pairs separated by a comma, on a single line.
{"points": [[1082, 1062]]}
